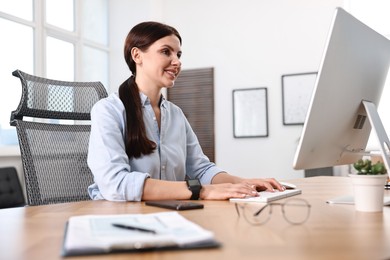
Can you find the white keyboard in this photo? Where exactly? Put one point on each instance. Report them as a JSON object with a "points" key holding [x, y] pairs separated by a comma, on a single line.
{"points": [[267, 196]]}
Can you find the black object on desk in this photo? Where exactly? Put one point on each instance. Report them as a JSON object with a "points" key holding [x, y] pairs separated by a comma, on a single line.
{"points": [[175, 204], [134, 228]]}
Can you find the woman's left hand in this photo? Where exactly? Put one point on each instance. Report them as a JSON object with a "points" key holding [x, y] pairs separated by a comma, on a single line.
{"points": [[269, 184]]}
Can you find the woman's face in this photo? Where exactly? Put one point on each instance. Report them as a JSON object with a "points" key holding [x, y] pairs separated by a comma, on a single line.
{"points": [[160, 64]]}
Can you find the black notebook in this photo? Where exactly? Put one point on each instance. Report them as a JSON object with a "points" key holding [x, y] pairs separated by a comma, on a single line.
{"points": [[100, 234]]}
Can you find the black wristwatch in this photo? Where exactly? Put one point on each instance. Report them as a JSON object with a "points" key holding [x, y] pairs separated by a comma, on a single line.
{"points": [[194, 186]]}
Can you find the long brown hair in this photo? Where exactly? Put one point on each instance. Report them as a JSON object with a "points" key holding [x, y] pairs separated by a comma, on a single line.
{"points": [[141, 36]]}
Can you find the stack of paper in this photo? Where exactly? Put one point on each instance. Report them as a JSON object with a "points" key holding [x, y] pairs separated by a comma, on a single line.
{"points": [[96, 234]]}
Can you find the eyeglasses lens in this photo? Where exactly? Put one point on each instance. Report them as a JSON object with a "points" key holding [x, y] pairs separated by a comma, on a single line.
{"points": [[253, 216], [296, 211]]}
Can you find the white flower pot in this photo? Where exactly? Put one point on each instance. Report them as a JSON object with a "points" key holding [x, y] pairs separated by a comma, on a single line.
{"points": [[368, 192]]}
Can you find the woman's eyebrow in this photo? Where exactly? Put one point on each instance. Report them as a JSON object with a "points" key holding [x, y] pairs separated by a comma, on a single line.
{"points": [[169, 47]]}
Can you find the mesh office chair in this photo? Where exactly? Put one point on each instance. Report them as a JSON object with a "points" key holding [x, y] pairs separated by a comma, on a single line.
{"points": [[52, 123], [11, 194]]}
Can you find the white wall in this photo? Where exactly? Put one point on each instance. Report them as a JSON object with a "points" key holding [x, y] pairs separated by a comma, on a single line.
{"points": [[250, 43], [123, 15]]}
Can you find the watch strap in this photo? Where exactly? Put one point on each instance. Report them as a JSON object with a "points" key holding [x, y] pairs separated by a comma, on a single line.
{"points": [[194, 186]]}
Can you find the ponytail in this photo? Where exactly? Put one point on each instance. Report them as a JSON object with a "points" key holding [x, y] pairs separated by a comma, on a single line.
{"points": [[136, 141]]}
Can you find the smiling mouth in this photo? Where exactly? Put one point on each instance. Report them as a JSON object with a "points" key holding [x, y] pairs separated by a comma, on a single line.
{"points": [[172, 73]]}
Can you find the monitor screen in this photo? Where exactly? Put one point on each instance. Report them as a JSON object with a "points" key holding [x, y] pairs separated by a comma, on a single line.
{"points": [[354, 68]]}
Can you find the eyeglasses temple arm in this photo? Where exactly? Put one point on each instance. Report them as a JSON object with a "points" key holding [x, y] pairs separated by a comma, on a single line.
{"points": [[260, 210]]}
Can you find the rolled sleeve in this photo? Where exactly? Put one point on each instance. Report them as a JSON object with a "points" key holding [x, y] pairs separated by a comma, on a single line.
{"points": [[107, 158], [198, 164]]}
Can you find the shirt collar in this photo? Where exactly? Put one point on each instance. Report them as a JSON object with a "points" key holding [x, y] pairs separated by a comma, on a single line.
{"points": [[146, 101]]}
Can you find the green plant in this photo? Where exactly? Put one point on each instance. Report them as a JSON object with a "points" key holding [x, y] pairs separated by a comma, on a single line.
{"points": [[368, 168]]}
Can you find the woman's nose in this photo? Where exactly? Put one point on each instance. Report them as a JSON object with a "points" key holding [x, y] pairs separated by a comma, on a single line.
{"points": [[176, 61]]}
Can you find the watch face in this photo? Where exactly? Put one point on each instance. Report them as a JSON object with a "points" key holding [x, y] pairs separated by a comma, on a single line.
{"points": [[193, 182]]}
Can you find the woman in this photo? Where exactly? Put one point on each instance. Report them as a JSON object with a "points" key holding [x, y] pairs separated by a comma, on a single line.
{"points": [[141, 145]]}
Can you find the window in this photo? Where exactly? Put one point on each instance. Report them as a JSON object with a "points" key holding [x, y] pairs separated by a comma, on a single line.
{"points": [[58, 39], [374, 13]]}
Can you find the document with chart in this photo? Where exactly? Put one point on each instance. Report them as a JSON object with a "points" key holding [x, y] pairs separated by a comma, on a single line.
{"points": [[98, 234]]}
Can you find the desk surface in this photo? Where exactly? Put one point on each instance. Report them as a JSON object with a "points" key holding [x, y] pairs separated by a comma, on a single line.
{"points": [[332, 231]]}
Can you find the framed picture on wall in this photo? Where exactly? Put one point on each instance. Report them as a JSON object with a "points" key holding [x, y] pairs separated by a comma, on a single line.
{"points": [[250, 112], [296, 95]]}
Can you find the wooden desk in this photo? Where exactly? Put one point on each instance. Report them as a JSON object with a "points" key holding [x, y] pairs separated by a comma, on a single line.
{"points": [[332, 231]]}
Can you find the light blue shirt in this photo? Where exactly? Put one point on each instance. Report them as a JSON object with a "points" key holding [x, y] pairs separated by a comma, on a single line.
{"points": [[178, 153]]}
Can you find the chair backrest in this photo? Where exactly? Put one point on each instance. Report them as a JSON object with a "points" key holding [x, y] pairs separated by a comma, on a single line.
{"points": [[11, 194], [52, 123]]}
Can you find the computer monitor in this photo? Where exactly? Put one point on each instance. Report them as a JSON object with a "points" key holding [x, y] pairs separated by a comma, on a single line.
{"points": [[353, 69]]}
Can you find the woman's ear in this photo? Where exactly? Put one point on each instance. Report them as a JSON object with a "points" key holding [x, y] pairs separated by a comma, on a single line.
{"points": [[136, 55]]}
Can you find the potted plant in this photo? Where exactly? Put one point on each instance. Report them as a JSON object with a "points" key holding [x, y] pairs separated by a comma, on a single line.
{"points": [[368, 183]]}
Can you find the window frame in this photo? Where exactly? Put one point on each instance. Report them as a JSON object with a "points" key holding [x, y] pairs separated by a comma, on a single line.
{"points": [[42, 30]]}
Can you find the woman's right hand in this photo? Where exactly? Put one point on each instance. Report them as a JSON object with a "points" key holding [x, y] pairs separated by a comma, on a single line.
{"points": [[226, 191]]}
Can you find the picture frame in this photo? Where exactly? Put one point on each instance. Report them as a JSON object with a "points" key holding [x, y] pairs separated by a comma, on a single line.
{"points": [[250, 112], [297, 90]]}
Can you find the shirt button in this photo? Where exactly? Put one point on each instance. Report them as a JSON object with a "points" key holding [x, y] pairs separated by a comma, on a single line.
{"points": [[163, 167], [154, 118]]}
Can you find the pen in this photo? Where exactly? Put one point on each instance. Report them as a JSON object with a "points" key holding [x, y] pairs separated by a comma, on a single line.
{"points": [[134, 228]]}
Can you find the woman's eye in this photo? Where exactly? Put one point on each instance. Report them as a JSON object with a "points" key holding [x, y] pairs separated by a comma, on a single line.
{"points": [[166, 52], [169, 52]]}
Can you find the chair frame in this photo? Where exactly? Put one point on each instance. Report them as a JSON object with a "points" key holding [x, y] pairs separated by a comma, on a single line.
{"points": [[55, 169]]}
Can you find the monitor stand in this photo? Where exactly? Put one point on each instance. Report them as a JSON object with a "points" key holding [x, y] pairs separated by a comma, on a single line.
{"points": [[380, 132], [383, 140]]}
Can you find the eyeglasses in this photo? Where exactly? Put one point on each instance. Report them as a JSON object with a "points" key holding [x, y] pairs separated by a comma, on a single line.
{"points": [[295, 211]]}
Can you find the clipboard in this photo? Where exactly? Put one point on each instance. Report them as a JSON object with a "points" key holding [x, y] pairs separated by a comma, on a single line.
{"points": [[95, 234]]}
